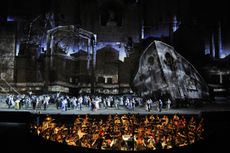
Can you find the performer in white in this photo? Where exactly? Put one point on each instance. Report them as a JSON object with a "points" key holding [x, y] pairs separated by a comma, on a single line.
{"points": [[169, 104], [97, 101]]}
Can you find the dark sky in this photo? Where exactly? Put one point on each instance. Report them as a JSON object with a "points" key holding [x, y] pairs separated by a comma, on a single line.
{"points": [[203, 10], [209, 11]]}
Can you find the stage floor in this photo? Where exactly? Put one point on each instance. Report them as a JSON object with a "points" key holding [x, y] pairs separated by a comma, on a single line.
{"points": [[212, 107]]}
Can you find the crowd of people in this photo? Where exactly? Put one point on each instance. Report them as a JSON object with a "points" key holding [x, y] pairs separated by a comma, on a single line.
{"points": [[117, 132], [124, 132], [93, 102]]}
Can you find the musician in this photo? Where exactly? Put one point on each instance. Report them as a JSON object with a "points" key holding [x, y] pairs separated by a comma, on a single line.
{"points": [[140, 144]]}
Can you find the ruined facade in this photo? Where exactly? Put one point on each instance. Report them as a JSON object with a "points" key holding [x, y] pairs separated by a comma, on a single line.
{"points": [[7, 54], [107, 60]]}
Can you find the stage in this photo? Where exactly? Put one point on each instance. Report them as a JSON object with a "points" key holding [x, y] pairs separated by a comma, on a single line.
{"points": [[16, 135]]}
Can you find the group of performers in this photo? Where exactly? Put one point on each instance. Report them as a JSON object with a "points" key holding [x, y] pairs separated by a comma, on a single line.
{"points": [[93, 102]]}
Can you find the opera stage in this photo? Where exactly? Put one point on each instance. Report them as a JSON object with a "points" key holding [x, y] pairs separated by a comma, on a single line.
{"points": [[16, 136], [61, 55]]}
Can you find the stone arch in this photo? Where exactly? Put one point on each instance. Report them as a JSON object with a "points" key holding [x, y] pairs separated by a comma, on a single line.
{"points": [[67, 34]]}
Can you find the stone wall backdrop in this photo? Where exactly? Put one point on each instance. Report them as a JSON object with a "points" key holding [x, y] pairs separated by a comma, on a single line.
{"points": [[7, 51]]}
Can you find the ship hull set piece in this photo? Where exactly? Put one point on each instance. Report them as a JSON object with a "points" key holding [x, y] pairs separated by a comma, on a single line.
{"points": [[164, 72]]}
